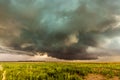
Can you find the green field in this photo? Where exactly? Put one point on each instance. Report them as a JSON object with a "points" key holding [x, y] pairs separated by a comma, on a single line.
{"points": [[59, 71]]}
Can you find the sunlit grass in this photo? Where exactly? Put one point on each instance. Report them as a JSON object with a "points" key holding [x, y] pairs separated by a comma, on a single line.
{"points": [[57, 70]]}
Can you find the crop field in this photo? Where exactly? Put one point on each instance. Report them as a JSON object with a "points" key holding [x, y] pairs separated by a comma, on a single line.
{"points": [[59, 71]]}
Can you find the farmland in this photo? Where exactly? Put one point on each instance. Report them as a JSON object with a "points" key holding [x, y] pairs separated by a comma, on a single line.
{"points": [[59, 71]]}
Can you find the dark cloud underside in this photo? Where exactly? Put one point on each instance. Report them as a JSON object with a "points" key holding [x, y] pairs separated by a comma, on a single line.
{"points": [[59, 27]]}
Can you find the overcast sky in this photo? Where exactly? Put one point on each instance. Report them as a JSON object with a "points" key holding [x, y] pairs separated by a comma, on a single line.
{"points": [[64, 29]]}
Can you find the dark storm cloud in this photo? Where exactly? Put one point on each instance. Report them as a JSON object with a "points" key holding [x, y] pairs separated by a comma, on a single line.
{"points": [[59, 27]]}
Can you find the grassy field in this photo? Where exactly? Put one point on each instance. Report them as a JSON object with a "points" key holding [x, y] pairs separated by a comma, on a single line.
{"points": [[59, 71]]}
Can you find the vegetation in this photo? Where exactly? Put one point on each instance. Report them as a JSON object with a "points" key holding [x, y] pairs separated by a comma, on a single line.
{"points": [[56, 70]]}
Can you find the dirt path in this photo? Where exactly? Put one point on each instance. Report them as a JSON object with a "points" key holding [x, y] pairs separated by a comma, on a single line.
{"points": [[99, 77], [4, 73]]}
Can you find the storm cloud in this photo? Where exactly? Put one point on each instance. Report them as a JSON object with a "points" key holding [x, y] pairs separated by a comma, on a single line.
{"points": [[62, 28]]}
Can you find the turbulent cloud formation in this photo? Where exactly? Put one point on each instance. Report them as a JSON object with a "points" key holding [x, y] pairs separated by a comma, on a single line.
{"points": [[63, 28]]}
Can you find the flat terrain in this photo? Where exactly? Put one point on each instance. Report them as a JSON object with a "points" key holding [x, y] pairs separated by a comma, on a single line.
{"points": [[59, 71]]}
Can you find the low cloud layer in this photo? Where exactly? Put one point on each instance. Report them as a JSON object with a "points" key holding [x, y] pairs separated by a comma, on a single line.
{"points": [[62, 28]]}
